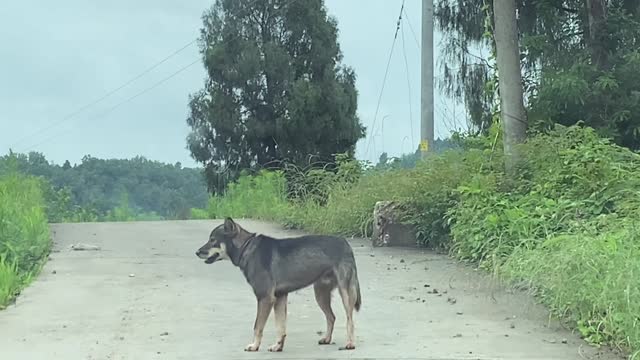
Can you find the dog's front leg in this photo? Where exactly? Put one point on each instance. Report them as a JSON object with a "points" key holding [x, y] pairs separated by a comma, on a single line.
{"points": [[280, 313], [264, 309]]}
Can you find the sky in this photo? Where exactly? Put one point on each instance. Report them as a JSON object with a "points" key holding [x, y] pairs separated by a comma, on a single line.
{"points": [[59, 59]]}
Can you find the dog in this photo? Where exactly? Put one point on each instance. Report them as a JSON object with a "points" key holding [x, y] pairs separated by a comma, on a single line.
{"points": [[275, 267]]}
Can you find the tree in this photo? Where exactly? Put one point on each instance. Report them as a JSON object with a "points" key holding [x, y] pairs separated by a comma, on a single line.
{"points": [[580, 62], [275, 91], [514, 123]]}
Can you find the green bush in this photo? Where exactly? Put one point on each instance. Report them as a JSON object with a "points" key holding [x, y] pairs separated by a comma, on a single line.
{"points": [[24, 233]]}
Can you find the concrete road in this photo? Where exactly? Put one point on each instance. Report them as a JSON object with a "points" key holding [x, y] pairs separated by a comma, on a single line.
{"points": [[145, 295]]}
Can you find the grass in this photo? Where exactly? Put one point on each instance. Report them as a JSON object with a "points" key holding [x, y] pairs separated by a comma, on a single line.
{"points": [[589, 279], [9, 281], [565, 226], [24, 234]]}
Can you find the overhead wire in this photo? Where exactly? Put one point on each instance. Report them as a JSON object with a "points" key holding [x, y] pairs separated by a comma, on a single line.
{"points": [[415, 38], [132, 80], [105, 96], [406, 65], [384, 80], [113, 108]]}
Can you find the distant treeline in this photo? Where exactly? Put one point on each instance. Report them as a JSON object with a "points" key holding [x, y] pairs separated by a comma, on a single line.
{"points": [[100, 186]]}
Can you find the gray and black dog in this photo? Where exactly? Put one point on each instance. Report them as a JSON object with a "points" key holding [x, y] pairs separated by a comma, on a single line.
{"points": [[275, 267]]}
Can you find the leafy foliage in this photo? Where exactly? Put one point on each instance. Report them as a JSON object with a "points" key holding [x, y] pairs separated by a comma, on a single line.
{"points": [[276, 91], [572, 180]]}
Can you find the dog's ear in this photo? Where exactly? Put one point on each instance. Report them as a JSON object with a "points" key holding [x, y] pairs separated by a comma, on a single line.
{"points": [[230, 227]]}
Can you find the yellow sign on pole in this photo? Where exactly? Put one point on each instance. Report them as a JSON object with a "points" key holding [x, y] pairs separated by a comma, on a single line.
{"points": [[424, 146]]}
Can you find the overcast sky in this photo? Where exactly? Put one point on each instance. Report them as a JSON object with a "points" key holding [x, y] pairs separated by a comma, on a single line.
{"points": [[58, 56]]}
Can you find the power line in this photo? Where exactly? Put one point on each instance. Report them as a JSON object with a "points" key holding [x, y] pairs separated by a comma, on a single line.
{"points": [[406, 66], [415, 37], [135, 78], [79, 110], [384, 80], [113, 108]]}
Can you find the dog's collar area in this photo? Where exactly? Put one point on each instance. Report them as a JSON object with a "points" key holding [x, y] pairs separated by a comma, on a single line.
{"points": [[245, 245]]}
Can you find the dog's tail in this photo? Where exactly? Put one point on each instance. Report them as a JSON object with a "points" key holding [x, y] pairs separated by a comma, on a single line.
{"points": [[355, 283], [359, 297]]}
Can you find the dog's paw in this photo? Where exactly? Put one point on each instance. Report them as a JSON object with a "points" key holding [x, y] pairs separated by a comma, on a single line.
{"points": [[251, 347], [349, 346], [277, 347], [324, 341]]}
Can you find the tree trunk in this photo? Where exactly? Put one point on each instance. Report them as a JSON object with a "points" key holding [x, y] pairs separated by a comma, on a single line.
{"points": [[598, 35], [514, 122]]}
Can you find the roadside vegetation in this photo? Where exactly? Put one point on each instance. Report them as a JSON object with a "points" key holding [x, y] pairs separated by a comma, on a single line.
{"points": [[24, 233], [565, 228]]}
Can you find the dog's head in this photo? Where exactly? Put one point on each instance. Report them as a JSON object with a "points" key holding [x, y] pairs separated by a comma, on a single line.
{"points": [[221, 240]]}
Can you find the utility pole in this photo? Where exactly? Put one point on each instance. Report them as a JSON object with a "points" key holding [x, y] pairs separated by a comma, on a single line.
{"points": [[426, 79], [514, 117]]}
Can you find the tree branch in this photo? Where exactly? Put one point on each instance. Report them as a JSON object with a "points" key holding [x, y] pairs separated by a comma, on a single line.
{"points": [[477, 57]]}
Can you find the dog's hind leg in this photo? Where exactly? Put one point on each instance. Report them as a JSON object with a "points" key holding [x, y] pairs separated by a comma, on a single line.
{"points": [[348, 303], [280, 313], [264, 309], [349, 295], [323, 289]]}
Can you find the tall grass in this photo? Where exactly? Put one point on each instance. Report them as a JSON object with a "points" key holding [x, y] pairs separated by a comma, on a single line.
{"points": [[24, 233], [262, 196], [590, 279]]}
